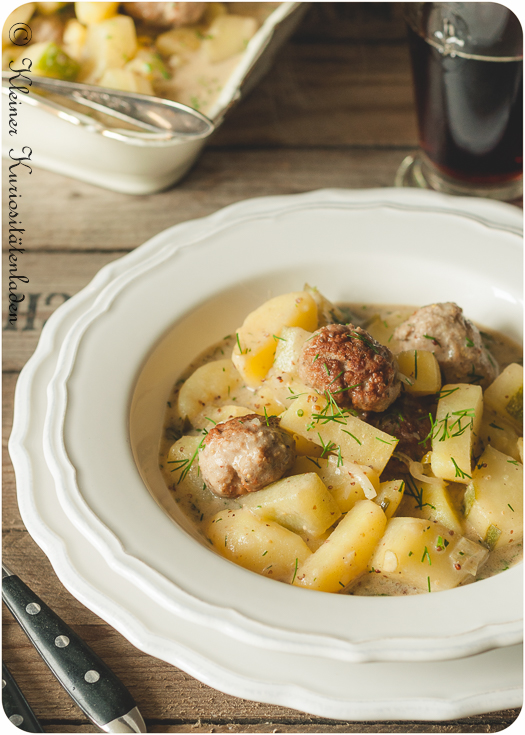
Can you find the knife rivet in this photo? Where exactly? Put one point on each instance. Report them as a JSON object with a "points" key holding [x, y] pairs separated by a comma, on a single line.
{"points": [[16, 720], [61, 641], [33, 608], [3, 683], [91, 676]]}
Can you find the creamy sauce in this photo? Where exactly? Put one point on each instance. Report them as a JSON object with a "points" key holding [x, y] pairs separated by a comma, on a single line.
{"points": [[200, 507], [184, 74]]}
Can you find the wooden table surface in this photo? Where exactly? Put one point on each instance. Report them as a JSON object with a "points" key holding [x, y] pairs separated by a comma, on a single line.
{"points": [[335, 111]]}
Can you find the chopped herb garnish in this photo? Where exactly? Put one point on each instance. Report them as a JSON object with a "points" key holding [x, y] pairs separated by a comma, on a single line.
{"points": [[446, 392], [459, 472], [427, 555], [295, 570], [329, 447], [474, 377], [352, 435]]}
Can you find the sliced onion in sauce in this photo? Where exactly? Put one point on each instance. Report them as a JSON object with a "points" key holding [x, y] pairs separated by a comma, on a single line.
{"points": [[416, 469], [359, 473]]}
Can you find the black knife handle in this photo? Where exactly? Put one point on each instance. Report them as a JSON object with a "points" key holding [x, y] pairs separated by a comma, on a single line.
{"points": [[16, 706], [86, 678]]}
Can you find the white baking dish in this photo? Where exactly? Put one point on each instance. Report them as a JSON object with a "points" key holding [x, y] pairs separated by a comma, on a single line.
{"points": [[136, 164]]}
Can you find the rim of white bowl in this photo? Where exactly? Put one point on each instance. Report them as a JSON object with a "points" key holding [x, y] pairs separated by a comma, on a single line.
{"points": [[173, 597], [85, 586]]}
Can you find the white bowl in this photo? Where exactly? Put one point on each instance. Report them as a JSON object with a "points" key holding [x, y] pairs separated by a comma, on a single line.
{"points": [[158, 307], [379, 691], [136, 164]]}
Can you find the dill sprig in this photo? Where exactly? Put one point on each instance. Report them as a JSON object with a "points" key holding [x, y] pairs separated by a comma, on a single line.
{"points": [[450, 425], [417, 493], [459, 472], [185, 465], [329, 447]]}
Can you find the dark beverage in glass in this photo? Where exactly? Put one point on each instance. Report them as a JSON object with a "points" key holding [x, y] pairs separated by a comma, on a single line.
{"points": [[467, 66]]}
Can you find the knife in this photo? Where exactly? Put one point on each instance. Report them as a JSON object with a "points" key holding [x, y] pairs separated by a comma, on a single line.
{"points": [[16, 707], [86, 678]]}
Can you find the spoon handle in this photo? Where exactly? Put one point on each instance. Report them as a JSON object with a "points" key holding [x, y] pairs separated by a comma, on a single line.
{"points": [[153, 114]]}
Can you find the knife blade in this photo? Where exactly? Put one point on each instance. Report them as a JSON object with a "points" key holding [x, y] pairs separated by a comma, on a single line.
{"points": [[86, 678]]}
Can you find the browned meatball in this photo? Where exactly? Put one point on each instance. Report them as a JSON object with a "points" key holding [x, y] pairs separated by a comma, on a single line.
{"points": [[408, 420], [166, 15], [454, 340], [47, 28], [349, 363], [245, 454]]}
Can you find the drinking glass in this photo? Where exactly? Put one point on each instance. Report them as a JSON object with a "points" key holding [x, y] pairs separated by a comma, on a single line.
{"points": [[467, 66]]}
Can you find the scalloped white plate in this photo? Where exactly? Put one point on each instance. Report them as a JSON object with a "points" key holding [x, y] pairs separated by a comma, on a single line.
{"points": [[379, 691], [167, 301]]}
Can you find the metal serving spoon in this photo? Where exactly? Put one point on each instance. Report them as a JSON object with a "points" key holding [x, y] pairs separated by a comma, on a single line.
{"points": [[162, 118]]}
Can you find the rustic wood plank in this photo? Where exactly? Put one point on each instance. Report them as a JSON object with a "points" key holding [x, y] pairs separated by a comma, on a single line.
{"points": [[53, 278], [94, 219], [329, 95], [352, 22], [276, 726]]}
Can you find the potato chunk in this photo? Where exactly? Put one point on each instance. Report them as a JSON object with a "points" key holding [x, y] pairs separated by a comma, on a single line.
{"points": [[212, 415], [110, 44], [289, 349], [88, 13], [505, 395], [382, 327], [210, 385], [432, 501], [300, 503], [346, 552], [228, 35], [499, 433], [347, 482], [455, 432], [183, 464], [359, 442], [494, 499], [262, 546], [254, 353], [426, 555], [422, 370], [390, 496], [182, 475]]}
